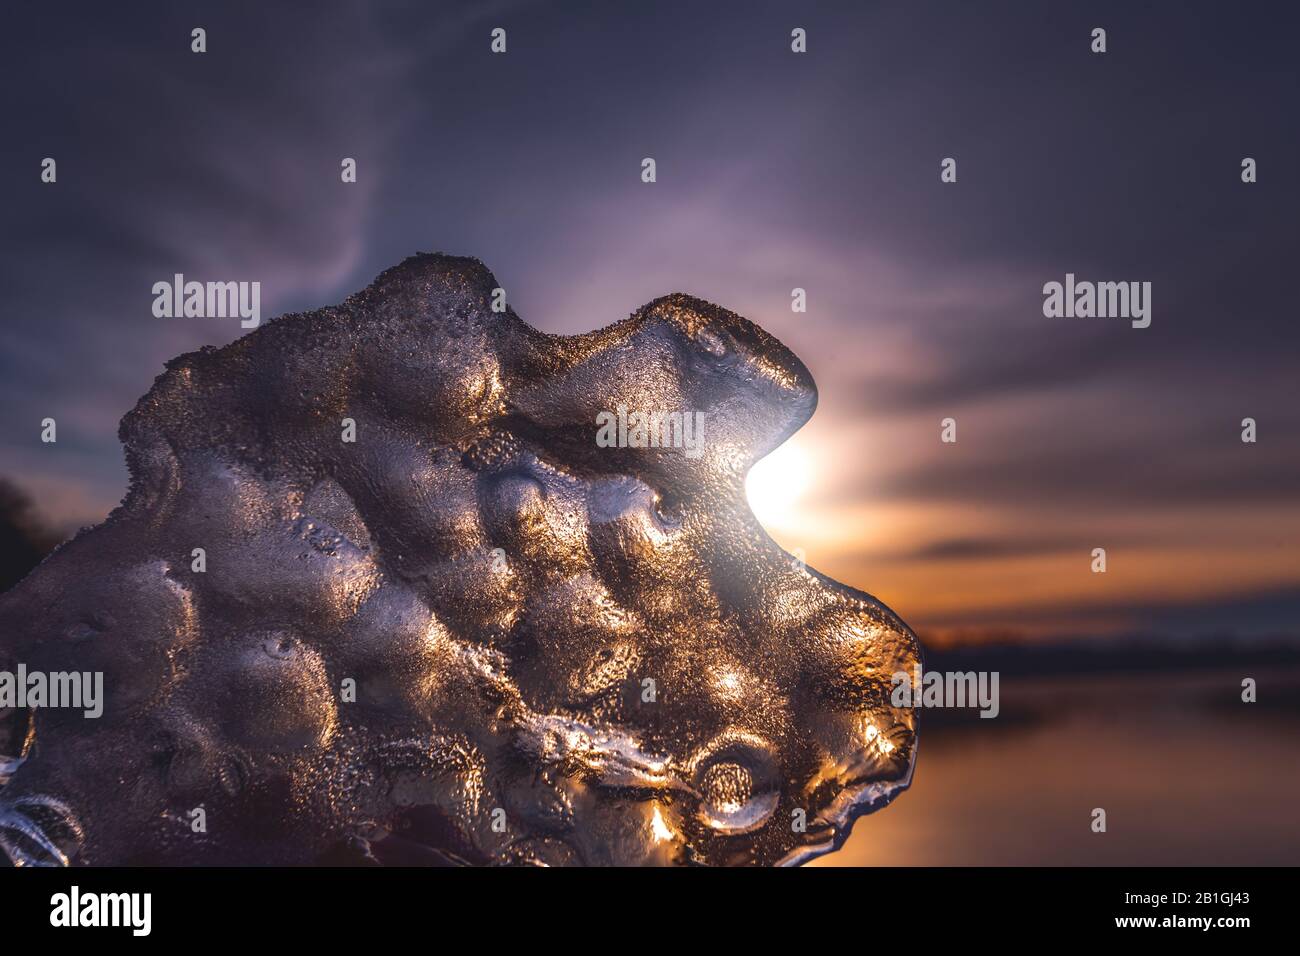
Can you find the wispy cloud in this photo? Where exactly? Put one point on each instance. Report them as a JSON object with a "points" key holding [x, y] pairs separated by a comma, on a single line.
{"points": [[775, 171]]}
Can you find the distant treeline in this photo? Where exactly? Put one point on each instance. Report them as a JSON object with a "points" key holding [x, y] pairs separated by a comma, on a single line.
{"points": [[24, 538], [1113, 654]]}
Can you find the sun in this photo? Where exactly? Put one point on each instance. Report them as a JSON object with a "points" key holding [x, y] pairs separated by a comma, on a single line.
{"points": [[776, 483]]}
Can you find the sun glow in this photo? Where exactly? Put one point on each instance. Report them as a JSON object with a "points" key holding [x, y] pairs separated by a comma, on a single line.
{"points": [[776, 483]]}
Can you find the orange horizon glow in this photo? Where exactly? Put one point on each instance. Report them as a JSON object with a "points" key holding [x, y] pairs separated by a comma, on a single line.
{"points": [[1155, 556]]}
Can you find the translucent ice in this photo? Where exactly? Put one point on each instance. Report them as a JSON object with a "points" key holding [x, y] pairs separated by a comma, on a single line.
{"points": [[472, 634]]}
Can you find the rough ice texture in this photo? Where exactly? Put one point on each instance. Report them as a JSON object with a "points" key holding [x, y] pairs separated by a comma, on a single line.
{"points": [[501, 710]]}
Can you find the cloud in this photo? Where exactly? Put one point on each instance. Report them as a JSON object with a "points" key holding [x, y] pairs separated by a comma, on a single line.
{"points": [[775, 171]]}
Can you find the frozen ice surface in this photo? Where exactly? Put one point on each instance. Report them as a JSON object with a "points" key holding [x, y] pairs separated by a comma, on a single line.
{"points": [[561, 653]]}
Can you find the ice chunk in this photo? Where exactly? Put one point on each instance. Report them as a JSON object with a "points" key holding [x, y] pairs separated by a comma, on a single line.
{"points": [[474, 633]]}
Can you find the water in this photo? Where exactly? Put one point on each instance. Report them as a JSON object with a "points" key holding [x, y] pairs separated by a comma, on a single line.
{"points": [[1187, 773]]}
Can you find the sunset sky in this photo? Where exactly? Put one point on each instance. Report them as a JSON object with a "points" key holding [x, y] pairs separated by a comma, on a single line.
{"points": [[775, 170]]}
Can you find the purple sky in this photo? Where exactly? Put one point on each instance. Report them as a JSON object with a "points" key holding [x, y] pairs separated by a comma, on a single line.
{"points": [[775, 170]]}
